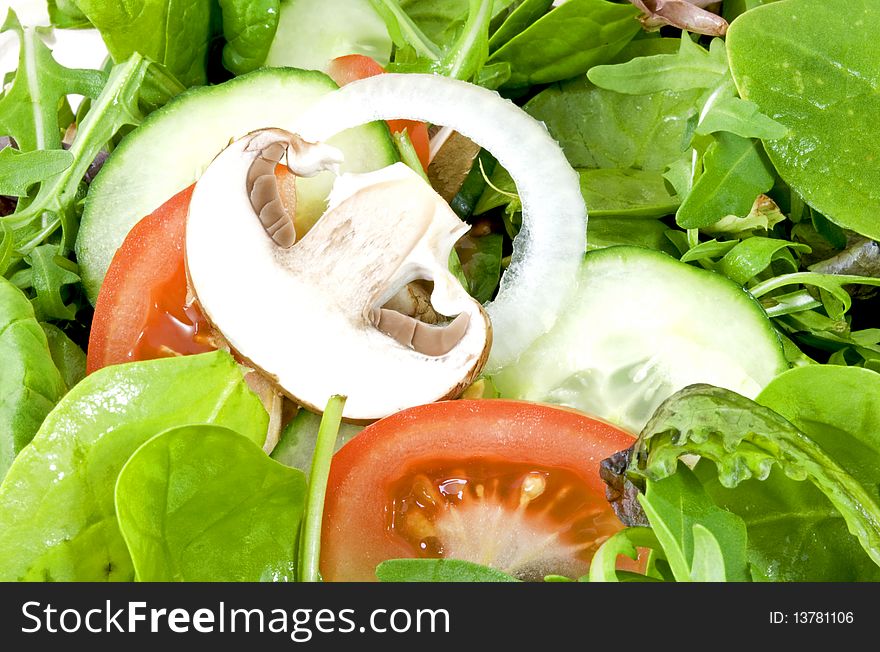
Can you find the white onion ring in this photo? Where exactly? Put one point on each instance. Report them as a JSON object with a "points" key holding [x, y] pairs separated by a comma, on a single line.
{"points": [[552, 241]]}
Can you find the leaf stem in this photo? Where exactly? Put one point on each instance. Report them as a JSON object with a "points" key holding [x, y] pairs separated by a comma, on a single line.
{"points": [[310, 538]]}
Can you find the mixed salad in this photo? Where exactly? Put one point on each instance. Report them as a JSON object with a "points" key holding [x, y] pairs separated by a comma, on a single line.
{"points": [[300, 290]]}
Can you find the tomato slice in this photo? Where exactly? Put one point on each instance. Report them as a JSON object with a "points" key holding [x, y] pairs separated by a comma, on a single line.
{"points": [[141, 312], [352, 67], [508, 484]]}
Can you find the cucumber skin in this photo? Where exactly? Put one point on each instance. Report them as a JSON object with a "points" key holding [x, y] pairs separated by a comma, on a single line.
{"points": [[110, 193], [544, 369]]}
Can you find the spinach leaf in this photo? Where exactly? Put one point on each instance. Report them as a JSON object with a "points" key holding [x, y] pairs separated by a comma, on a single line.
{"points": [[202, 503], [677, 507], [803, 63], [67, 356], [733, 8], [568, 41], [735, 172], [747, 440], [626, 192], [66, 15], [640, 232], [752, 256], [526, 13], [598, 128], [248, 27], [621, 144], [794, 533], [838, 408], [57, 516], [30, 384], [175, 34], [438, 570], [441, 21]]}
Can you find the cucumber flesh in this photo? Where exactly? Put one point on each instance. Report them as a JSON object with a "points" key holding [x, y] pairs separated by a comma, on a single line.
{"points": [[313, 32], [174, 145], [640, 326], [296, 447]]}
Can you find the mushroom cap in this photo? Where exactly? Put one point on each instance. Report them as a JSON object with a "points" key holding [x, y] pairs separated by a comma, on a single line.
{"points": [[306, 314]]}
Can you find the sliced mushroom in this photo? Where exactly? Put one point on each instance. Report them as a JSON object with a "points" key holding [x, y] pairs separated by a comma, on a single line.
{"points": [[315, 315]]}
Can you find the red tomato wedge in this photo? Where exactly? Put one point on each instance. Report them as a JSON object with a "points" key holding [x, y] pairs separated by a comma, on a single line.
{"points": [[507, 484], [344, 70], [141, 311]]}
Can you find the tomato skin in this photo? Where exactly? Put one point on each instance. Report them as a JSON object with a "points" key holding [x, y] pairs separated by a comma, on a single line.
{"points": [[146, 283], [352, 67], [355, 538]]}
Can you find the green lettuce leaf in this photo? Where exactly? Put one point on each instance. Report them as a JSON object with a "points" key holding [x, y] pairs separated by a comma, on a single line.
{"points": [[746, 440], [202, 503], [57, 515], [30, 384]]}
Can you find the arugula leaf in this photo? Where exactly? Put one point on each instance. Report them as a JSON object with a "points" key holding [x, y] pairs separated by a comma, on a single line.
{"points": [[568, 41], [202, 503], [55, 203], [739, 117], [30, 384], [21, 170], [438, 570], [735, 172], [747, 440], [248, 27], [57, 515], [692, 67], [175, 34], [813, 77], [676, 506], [50, 272], [835, 298], [625, 542], [29, 110]]}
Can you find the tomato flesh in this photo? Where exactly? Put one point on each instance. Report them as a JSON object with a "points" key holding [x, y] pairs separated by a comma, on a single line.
{"points": [[141, 312], [527, 519], [507, 484], [352, 67]]}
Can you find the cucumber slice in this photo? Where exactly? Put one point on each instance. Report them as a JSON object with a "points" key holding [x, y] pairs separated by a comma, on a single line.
{"points": [[296, 447], [313, 32], [174, 145], [641, 325]]}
